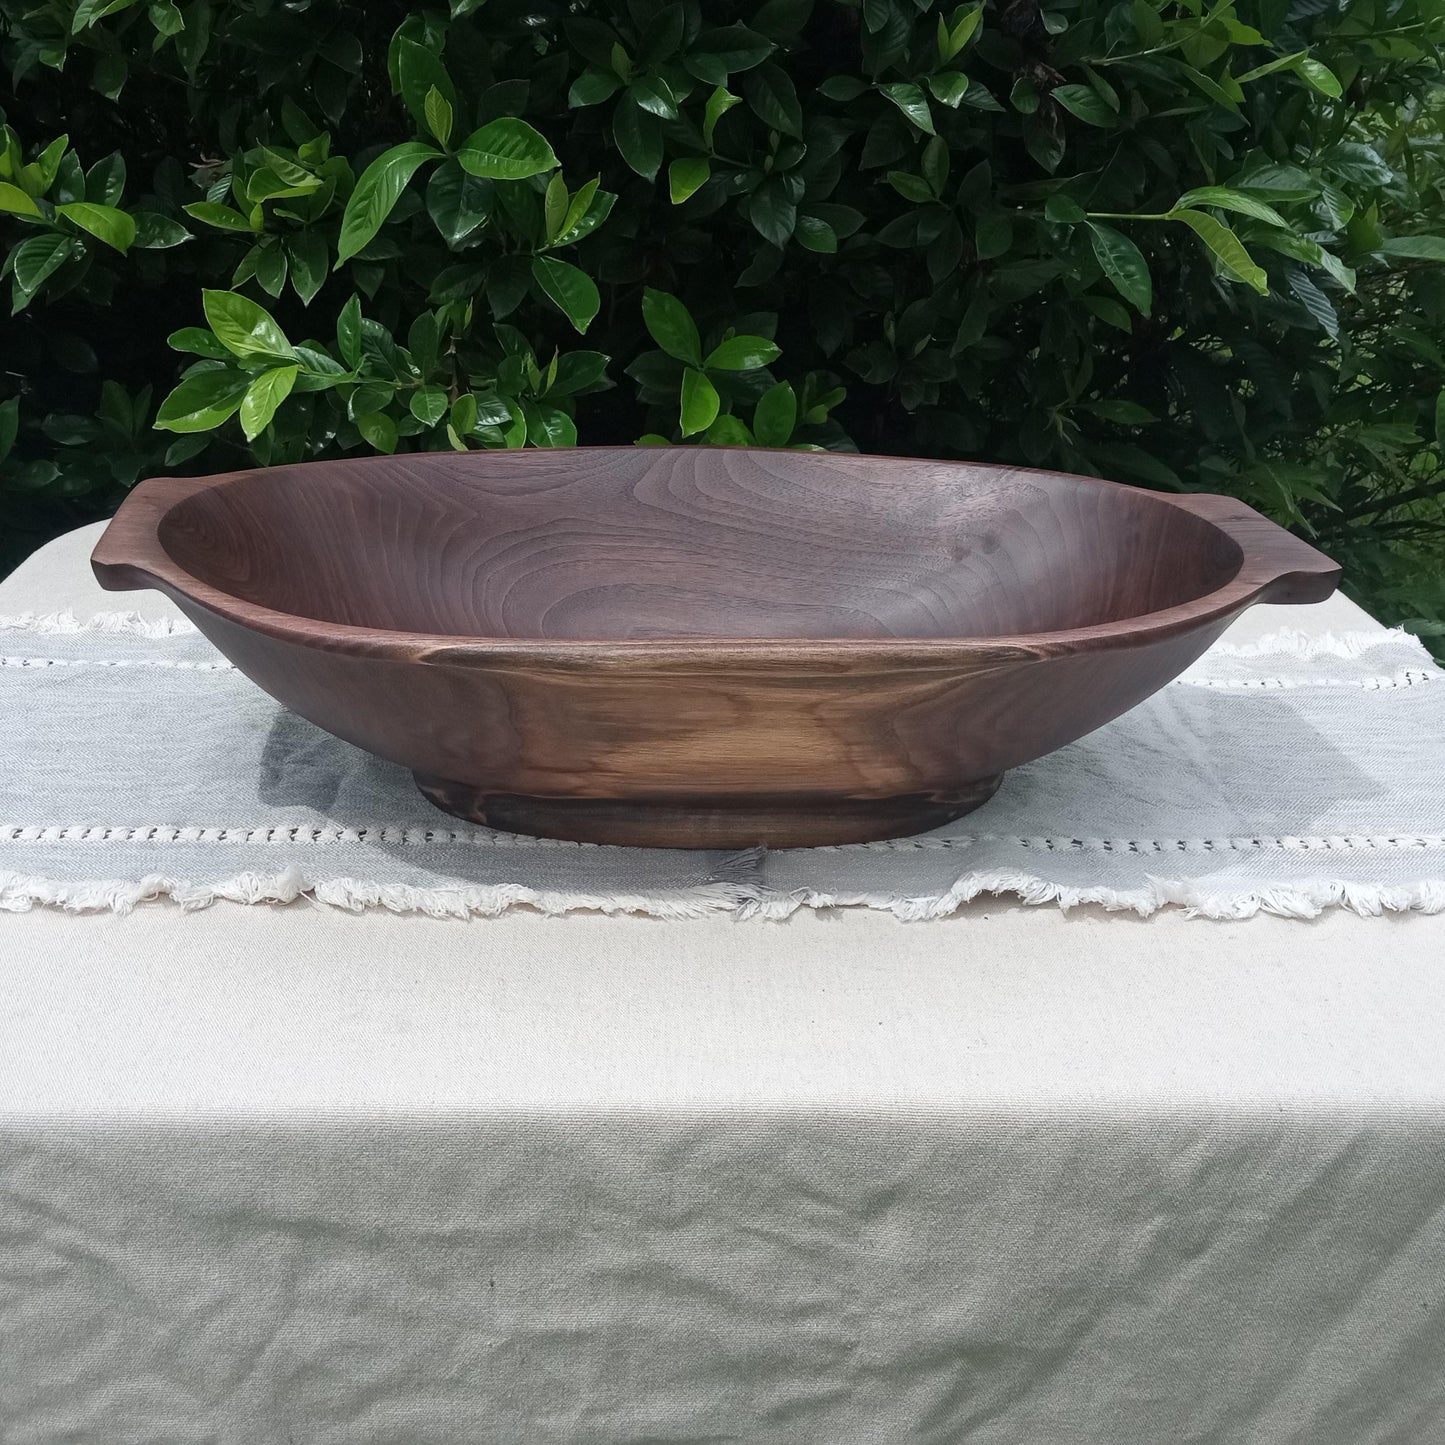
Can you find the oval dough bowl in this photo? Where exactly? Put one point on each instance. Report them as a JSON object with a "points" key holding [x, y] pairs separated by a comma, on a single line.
{"points": [[702, 647]]}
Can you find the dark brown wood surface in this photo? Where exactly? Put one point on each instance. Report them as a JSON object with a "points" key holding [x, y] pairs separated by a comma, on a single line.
{"points": [[702, 647]]}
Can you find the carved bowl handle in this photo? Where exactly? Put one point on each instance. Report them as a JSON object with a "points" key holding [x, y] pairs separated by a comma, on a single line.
{"points": [[1285, 567]]}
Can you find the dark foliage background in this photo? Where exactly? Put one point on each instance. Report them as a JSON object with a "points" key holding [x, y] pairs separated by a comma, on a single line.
{"points": [[1190, 245]]}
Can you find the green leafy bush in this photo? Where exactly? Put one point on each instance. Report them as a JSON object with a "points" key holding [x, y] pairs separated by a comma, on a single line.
{"points": [[1189, 245]]}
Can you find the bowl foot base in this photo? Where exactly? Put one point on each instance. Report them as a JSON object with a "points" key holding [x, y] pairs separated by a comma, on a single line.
{"points": [[745, 821]]}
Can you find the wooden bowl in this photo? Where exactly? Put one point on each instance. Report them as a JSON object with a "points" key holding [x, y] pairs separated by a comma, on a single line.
{"points": [[702, 647]]}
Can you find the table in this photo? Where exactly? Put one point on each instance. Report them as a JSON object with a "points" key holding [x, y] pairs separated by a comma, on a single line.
{"points": [[286, 1173]]}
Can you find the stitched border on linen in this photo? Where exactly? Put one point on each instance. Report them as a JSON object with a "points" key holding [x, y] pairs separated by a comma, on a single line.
{"points": [[482, 837]]}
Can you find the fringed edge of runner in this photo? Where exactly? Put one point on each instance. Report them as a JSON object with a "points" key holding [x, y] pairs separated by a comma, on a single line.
{"points": [[67, 624], [1297, 899], [19, 894]]}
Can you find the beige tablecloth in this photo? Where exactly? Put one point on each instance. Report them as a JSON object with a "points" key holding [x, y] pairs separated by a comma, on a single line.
{"points": [[272, 1173]]}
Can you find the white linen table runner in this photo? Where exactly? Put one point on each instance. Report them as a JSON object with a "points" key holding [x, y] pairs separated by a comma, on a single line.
{"points": [[1286, 775]]}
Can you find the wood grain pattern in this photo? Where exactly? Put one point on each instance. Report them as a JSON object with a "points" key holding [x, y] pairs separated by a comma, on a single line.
{"points": [[702, 647]]}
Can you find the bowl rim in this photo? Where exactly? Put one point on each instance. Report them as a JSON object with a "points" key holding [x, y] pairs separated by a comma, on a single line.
{"points": [[1275, 566]]}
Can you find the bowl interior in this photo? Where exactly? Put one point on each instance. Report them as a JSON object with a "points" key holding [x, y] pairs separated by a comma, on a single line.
{"points": [[692, 542]]}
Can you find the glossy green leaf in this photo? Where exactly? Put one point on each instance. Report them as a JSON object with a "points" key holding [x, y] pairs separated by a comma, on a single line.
{"points": [[87, 12], [198, 340], [911, 188], [244, 328], [592, 87], [671, 326], [463, 416], [773, 211], [348, 333], [728, 431], [37, 177], [507, 150], [685, 176], [492, 410], [105, 180], [589, 208], [911, 101], [772, 98], [782, 19], [377, 430], [935, 165], [110, 75], [166, 18], [1104, 90], [268, 264], [980, 97], [1123, 263], [429, 405], [571, 290], [1111, 311], [1319, 306], [653, 93], [549, 426], [319, 370], [578, 205], [1231, 200], [578, 372], [290, 173], [376, 195], [306, 251], [369, 396], [40, 257], [1415, 248], [992, 235], [1321, 77], [1225, 91], [719, 103], [1147, 24], [223, 218], [815, 234], [699, 402], [1123, 412], [1280, 62], [776, 416], [638, 134], [719, 53], [105, 223], [1085, 102], [1279, 182], [1063, 210], [952, 39], [438, 113], [420, 71], [459, 204], [663, 34], [263, 396], [742, 353], [948, 88], [157, 233], [204, 401], [555, 203], [1226, 247]]}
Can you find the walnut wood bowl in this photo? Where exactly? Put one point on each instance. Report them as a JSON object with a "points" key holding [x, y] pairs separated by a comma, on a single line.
{"points": [[702, 647]]}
